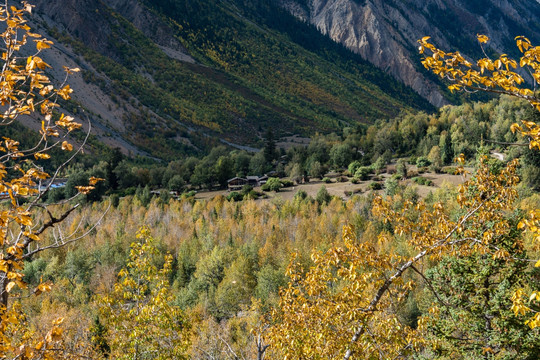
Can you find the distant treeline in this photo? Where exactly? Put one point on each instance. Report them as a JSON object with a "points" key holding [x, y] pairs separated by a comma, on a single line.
{"points": [[437, 138]]}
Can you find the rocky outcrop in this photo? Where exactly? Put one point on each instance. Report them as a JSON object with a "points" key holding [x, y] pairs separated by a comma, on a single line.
{"points": [[85, 19], [384, 32]]}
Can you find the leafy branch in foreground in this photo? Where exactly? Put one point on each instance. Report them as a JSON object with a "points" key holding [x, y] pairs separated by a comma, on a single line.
{"points": [[502, 75], [25, 90], [348, 302]]}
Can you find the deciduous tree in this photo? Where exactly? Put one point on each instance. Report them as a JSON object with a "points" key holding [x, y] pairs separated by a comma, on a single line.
{"points": [[24, 183], [142, 322]]}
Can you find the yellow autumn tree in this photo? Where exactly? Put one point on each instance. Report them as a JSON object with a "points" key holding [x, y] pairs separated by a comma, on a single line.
{"points": [[503, 75], [26, 91], [141, 320], [346, 305]]}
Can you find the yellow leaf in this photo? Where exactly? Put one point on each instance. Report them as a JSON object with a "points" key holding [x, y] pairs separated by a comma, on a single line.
{"points": [[42, 156], [482, 39], [42, 44], [537, 264], [10, 286], [94, 180], [67, 146]]}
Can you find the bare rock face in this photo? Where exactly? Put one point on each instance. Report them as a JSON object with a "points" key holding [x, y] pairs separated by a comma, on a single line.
{"points": [[85, 20], [385, 32]]}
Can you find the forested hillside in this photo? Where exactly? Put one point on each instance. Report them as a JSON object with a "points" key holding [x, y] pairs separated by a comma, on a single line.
{"points": [[175, 78]]}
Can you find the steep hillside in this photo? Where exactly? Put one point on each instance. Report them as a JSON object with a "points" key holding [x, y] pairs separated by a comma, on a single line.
{"points": [[385, 32], [166, 78]]}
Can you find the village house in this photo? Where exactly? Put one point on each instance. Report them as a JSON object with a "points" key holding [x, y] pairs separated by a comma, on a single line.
{"points": [[236, 183]]}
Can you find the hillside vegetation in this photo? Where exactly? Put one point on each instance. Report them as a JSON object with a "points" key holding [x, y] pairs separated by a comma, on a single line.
{"points": [[248, 71]]}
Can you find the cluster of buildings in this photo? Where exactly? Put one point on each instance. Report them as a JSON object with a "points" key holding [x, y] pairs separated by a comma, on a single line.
{"points": [[237, 183]]}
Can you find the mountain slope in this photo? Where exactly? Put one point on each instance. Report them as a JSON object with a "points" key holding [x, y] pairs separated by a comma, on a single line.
{"points": [[176, 77], [384, 32]]}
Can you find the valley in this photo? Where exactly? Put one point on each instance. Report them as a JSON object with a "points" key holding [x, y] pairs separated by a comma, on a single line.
{"points": [[282, 179]]}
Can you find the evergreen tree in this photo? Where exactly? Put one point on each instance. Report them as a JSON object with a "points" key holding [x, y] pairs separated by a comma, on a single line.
{"points": [[269, 146]]}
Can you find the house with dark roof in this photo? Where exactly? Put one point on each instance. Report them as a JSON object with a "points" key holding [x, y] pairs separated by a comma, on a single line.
{"points": [[236, 183]]}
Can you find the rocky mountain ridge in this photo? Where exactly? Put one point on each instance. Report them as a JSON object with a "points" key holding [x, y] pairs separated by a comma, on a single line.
{"points": [[385, 32]]}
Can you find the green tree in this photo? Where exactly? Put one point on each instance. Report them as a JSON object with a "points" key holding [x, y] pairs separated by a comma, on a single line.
{"points": [[474, 318], [316, 170], [236, 289], [269, 146], [447, 151], [176, 184], [341, 155], [224, 170], [323, 196], [434, 158], [258, 164], [272, 184]]}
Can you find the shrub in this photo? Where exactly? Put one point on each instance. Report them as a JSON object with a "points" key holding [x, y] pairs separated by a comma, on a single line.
{"points": [[422, 161], [286, 183], [273, 184], [327, 180], [401, 169], [450, 170], [235, 196], [422, 181], [362, 173], [301, 194], [375, 185], [323, 197], [354, 166], [391, 186], [189, 194]]}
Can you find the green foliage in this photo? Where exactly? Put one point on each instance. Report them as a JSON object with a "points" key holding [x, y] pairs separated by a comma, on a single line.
{"points": [[474, 296], [236, 289], [272, 184], [375, 185], [176, 183], [401, 168], [341, 155], [362, 173], [323, 197], [286, 183], [316, 170], [423, 161], [235, 196], [391, 186], [422, 181], [354, 166], [301, 195]]}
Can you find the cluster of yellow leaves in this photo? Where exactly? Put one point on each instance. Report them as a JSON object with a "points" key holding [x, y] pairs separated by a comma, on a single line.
{"points": [[345, 304], [501, 75], [321, 311], [142, 321], [520, 304], [18, 341], [25, 89]]}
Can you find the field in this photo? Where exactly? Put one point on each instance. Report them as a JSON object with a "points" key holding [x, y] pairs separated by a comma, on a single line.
{"points": [[347, 189]]}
